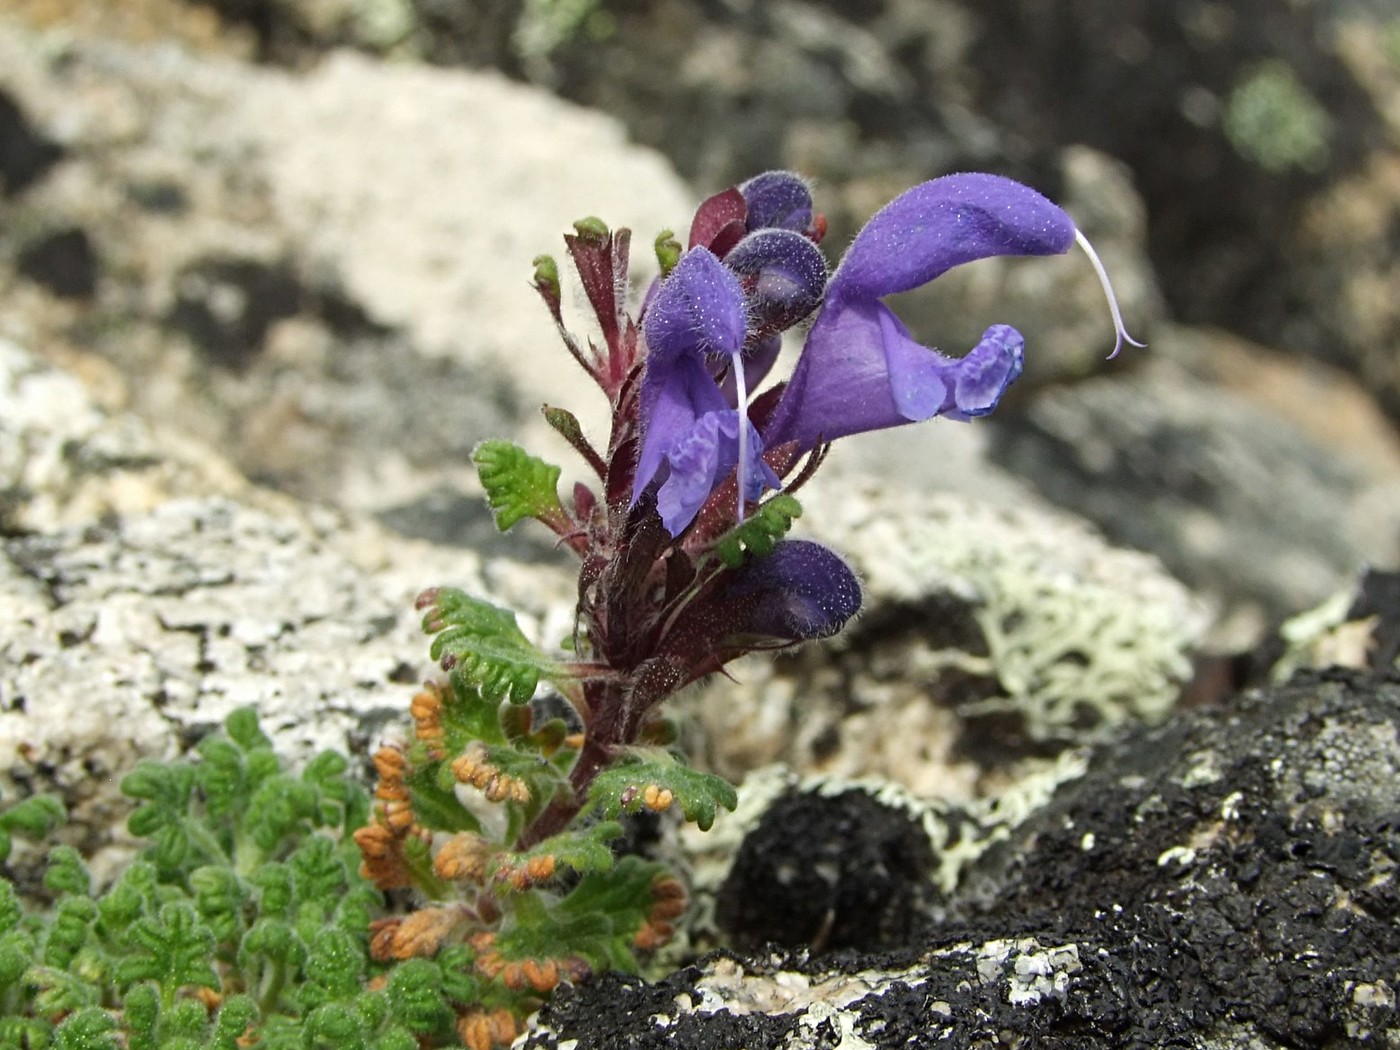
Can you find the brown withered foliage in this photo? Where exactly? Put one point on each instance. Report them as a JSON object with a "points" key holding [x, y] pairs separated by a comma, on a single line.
{"points": [[463, 857], [382, 859], [420, 933], [482, 1029], [426, 711]]}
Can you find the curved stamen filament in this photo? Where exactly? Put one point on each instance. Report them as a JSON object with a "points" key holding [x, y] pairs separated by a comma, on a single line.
{"points": [[741, 391], [1120, 332]]}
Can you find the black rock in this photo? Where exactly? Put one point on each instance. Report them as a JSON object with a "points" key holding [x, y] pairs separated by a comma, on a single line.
{"points": [[1225, 879]]}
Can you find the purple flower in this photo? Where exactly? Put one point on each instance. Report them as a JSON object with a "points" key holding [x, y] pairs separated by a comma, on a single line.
{"points": [[860, 368], [693, 436], [712, 327]]}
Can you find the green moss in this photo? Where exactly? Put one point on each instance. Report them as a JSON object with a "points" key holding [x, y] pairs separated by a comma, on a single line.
{"points": [[1273, 121]]}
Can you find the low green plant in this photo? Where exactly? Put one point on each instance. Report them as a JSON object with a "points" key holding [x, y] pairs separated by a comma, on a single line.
{"points": [[242, 924]]}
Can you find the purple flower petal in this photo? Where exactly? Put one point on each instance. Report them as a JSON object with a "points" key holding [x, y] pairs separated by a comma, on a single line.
{"points": [[941, 224], [677, 391], [777, 199], [699, 309], [699, 460], [800, 590], [861, 370]]}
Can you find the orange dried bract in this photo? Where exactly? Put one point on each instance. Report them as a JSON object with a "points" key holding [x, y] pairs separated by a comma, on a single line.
{"points": [[543, 976], [652, 935], [657, 799], [474, 767], [381, 938], [480, 1030], [541, 868], [420, 933], [669, 899], [381, 852], [491, 963], [463, 856], [389, 763]]}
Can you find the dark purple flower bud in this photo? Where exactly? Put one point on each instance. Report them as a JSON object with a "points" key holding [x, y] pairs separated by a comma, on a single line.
{"points": [[699, 309], [719, 222], [800, 590], [778, 199], [784, 274]]}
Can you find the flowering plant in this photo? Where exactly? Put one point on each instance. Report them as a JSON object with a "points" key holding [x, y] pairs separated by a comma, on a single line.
{"points": [[684, 564]]}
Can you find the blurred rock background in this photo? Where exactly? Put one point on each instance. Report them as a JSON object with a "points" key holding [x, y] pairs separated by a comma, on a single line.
{"points": [[300, 229]]}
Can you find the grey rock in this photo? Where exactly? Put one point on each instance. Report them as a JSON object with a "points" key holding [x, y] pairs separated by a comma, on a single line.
{"points": [[991, 633], [147, 593], [326, 275], [1237, 501], [1226, 879]]}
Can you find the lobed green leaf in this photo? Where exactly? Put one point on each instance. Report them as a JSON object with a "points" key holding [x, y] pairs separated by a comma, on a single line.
{"points": [[518, 485], [624, 788], [485, 645], [760, 533]]}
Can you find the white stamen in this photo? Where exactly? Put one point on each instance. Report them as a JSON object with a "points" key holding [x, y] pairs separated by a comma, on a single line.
{"points": [[741, 393], [1120, 332]]}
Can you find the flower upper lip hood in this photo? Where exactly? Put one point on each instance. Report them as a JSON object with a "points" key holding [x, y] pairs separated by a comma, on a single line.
{"points": [[860, 369]]}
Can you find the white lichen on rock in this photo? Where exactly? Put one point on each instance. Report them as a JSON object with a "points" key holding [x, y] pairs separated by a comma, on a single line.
{"points": [[1080, 637]]}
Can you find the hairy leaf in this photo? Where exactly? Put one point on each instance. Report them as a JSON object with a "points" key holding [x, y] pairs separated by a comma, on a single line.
{"points": [[760, 533], [659, 782], [485, 645], [518, 485]]}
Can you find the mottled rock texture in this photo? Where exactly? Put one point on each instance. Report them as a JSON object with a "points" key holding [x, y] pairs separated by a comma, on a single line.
{"points": [[1227, 879]]}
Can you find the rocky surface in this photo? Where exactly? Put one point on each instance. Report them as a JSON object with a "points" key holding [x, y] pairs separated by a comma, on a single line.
{"points": [[320, 270], [326, 276], [1224, 880]]}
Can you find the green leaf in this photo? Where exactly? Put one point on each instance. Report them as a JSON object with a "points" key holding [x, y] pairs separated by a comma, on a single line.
{"points": [[141, 1016], [68, 930], [759, 534], [518, 485], [581, 851], [335, 967], [34, 818], [437, 807], [220, 896], [235, 1015], [88, 1029], [66, 872], [416, 1000], [646, 782], [596, 921], [243, 729], [172, 949], [484, 644]]}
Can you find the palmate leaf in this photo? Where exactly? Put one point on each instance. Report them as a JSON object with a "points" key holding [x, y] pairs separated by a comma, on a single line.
{"points": [[485, 645], [760, 533], [518, 485], [659, 781]]}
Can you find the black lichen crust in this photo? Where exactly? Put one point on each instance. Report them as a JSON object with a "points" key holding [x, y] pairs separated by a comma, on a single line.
{"points": [[828, 872], [1226, 879]]}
